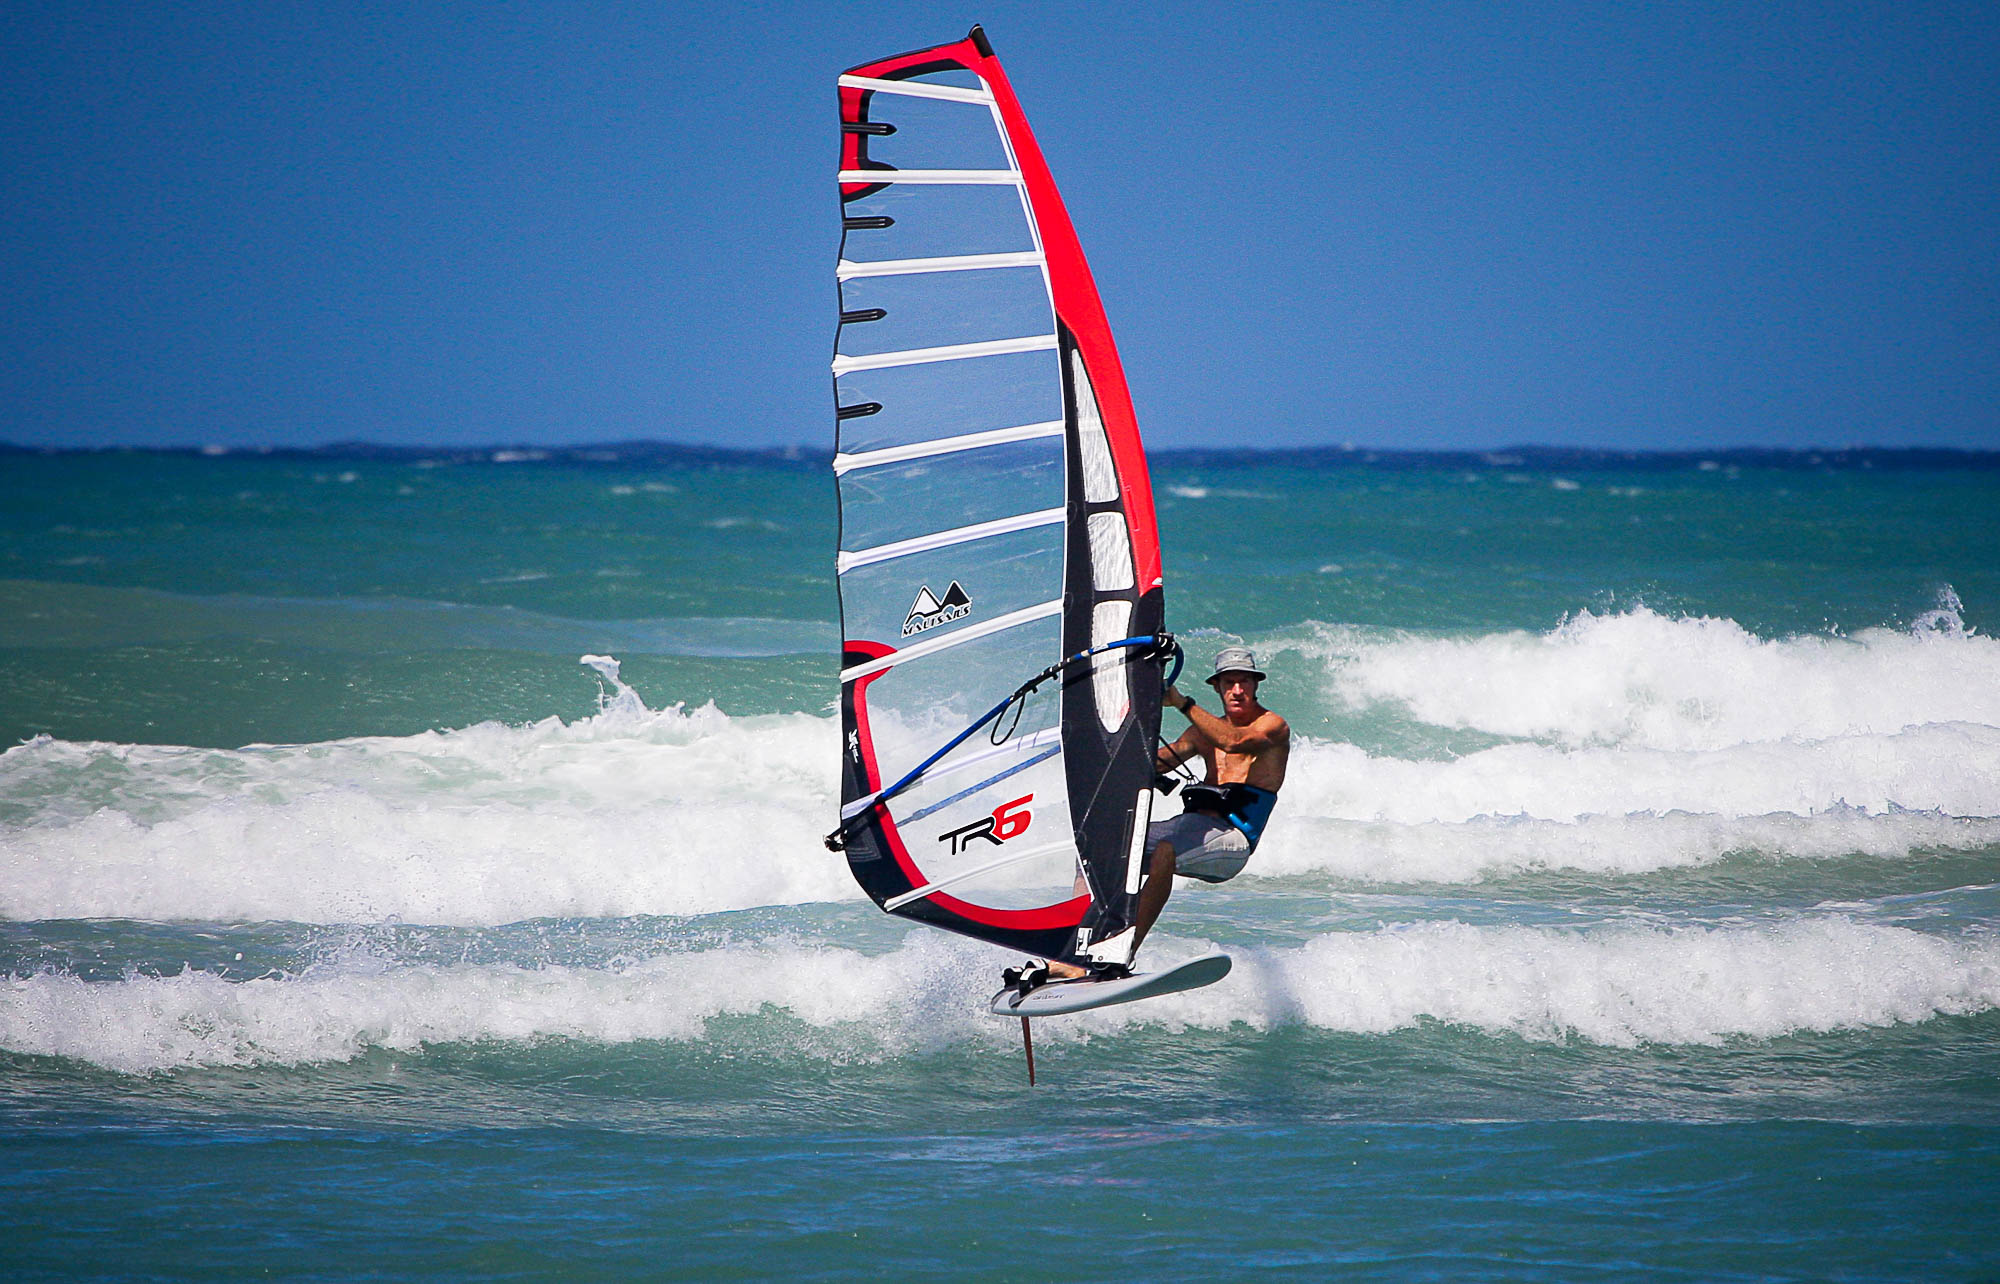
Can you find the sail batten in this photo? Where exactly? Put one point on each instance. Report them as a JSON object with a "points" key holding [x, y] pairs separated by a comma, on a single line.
{"points": [[937, 177], [916, 89], [848, 270], [944, 352], [946, 445], [996, 523], [945, 539]]}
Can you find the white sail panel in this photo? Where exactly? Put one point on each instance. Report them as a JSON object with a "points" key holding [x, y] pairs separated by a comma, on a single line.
{"points": [[961, 489], [926, 309], [1100, 472], [1110, 552], [948, 399]]}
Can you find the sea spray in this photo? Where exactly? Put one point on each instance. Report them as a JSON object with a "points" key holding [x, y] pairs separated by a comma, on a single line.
{"points": [[621, 699], [1945, 621]]}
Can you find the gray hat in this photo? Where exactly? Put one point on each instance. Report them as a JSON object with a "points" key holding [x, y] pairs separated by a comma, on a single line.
{"points": [[1235, 659]]}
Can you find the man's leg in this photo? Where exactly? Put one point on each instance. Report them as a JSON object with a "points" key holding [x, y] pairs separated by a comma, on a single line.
{"points": [[1153, 896], [1152, 899]]}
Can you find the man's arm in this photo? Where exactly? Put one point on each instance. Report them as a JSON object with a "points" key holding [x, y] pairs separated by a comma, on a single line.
{"points": [[1227, 736], [1170, 756]]}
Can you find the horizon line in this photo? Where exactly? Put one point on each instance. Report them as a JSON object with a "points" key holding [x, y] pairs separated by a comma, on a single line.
{"points": [[640, 450]]}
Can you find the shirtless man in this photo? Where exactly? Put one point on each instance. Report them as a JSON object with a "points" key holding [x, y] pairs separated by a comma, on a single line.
{"points": [[1243, 753]]}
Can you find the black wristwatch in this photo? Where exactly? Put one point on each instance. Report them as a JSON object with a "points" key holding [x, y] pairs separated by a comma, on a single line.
{"points": [[1187, 703]]}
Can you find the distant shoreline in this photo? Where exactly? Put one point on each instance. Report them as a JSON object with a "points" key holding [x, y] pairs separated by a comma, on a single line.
{"points": [[1532, 458]]}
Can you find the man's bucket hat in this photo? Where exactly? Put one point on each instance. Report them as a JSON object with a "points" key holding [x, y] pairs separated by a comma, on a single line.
{"points": [[1235, 659]]}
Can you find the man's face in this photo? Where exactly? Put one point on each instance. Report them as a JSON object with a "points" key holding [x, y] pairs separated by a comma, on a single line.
{"points": [[1238, 691]]}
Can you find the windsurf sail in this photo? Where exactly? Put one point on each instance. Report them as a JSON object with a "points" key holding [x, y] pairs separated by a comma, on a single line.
{"points": [[996, 523]]}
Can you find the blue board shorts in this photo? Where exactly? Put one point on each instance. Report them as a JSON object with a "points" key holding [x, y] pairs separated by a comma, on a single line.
{"points": [[1205, 847]]}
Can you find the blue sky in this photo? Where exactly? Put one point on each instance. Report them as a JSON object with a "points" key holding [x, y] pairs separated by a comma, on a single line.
{"points": [[1448, 225]]}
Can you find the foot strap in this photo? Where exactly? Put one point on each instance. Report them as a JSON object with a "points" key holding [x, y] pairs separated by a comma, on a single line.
{"points": [[1032, 974]]}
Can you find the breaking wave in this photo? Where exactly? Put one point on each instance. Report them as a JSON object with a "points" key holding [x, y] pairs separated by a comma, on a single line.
{"points": [[633, 811], [637, 811], [1613, 985], [1639, 679]]}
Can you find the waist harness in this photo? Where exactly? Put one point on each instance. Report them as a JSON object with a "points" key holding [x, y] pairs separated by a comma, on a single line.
{"points": [[1245, 807]]}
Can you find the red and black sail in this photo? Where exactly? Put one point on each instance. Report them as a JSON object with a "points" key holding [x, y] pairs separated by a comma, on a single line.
{"points": [[996, 516]]}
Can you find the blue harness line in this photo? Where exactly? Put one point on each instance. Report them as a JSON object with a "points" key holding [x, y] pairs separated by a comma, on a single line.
{"points": [[1158, 643]]}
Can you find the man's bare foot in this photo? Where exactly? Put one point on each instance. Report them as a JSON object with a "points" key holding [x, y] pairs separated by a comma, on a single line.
{"points": [[1061, 971]]}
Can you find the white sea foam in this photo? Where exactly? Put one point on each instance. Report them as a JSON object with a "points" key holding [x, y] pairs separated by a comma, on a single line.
{"points": [[1488, 846], [1615, 985], [679, 812], [630, 812], [1643, 679], [356, 1001], [1208, 492], [1952, 767], [1621, 986]]}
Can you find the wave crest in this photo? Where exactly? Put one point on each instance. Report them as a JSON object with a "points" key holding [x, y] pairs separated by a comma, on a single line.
{"points": [[1642, 679]]}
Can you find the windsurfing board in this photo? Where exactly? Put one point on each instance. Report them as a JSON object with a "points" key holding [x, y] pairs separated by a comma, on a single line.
{"points": [[1082, 994]]}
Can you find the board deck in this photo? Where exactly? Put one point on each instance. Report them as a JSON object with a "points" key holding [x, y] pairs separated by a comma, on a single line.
{"points": [[1058, 997]]}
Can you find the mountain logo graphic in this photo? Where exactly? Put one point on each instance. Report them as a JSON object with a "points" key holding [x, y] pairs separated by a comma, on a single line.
{"points": [[929, 610]]}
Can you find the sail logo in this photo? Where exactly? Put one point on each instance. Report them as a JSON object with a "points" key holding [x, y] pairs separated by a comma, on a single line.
{"points": [[1004, 823], [929, 610]]}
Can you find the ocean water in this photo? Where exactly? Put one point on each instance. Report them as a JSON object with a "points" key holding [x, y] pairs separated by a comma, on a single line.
{"points": [[1632, 911]]}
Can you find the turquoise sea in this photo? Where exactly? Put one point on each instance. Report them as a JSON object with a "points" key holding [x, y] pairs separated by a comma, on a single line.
{"points": [[1632, 911]]}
